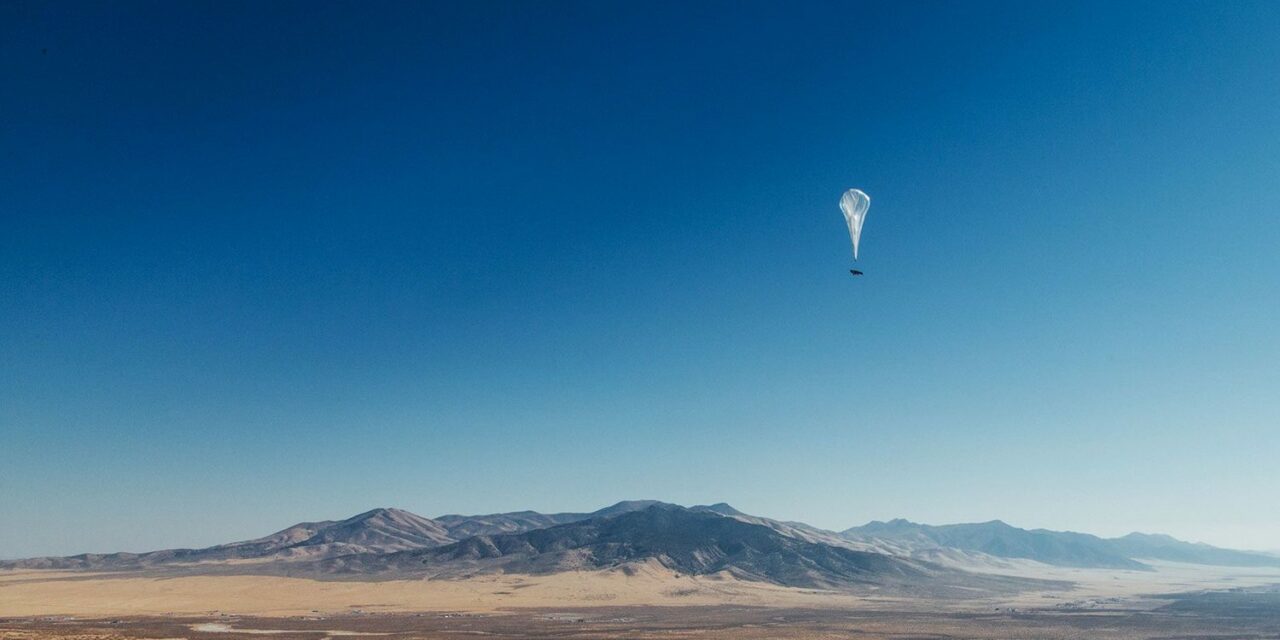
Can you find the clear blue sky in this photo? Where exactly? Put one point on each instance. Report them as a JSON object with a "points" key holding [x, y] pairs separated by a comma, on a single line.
{"points": [[267, 263]]}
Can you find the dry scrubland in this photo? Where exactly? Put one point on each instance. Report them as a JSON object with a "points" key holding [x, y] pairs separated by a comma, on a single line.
{"points": [[652, 602], [50, 593], [35, 593], [711, 622]]}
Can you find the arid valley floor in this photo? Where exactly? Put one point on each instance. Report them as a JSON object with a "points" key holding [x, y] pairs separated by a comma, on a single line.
{"points": [[1172, 602]]}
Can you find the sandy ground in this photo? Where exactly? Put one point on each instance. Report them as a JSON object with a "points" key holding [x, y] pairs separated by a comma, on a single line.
{"points": [[45, 593]]}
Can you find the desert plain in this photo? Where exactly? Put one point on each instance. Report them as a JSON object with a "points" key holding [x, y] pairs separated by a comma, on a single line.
{"points": [[1174, 601]]}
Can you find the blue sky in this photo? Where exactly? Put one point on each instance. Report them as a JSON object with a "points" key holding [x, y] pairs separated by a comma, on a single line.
{"points": [[268, 263]]}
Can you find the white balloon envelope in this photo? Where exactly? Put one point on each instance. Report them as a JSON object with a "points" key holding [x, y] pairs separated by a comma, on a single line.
{"points": [[854, 203]]}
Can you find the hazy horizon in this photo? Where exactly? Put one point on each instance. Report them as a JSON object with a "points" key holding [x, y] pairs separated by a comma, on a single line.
{"points": [[266, 263]]}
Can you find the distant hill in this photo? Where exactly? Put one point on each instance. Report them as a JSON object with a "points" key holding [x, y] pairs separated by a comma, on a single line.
{"points": [[1156, 546], [1061, 548], [999, 539]]}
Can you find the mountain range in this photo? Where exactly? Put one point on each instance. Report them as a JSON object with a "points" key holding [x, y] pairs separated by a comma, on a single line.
{"points": [[898, 555], [1060, 548]]}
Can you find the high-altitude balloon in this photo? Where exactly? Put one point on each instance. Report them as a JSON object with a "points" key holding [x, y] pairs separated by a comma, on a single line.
{"points": [[854, 203]]}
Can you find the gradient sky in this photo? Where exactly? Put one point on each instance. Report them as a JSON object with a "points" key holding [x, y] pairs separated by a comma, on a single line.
{"points": [[271, 262]]}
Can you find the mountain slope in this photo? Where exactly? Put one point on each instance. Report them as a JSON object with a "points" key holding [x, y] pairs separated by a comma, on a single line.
{"points": [[382, 530], [684, 541], [461, 527], [375, 531], [798, 530]]}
